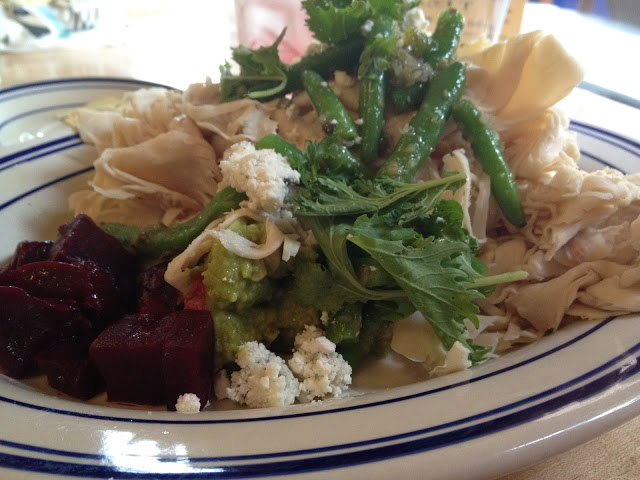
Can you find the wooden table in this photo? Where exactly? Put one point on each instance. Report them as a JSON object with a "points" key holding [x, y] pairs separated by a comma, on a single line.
{"points": [[614, 455]]}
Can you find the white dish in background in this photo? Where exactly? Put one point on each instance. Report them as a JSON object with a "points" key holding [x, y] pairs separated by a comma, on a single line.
{"points": [[513, 411]]}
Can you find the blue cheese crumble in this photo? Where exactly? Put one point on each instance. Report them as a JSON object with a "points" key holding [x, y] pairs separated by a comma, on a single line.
{"points": [[319, 368], [264, 380], [264, 175], [188, 403]]}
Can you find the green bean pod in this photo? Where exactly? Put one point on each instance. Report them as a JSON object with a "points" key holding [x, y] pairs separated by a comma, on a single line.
{"points": [[333, 115], [332, 58], [339, 160], [296, 158], [373, 87], [156, 240], [427, 126], [446, 37], [444, 44], [488, 151], [407, 97]]}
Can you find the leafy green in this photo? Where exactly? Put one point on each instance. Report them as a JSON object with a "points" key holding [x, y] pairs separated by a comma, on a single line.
{"points": [[334, 21], [262, 73], [399, 203], [432, 273]]}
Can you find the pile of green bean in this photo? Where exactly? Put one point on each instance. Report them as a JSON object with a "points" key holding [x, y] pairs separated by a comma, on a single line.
{"points": [[439, 99]]}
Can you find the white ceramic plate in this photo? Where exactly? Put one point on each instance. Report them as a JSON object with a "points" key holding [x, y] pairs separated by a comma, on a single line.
{"points": [[510, 412]]}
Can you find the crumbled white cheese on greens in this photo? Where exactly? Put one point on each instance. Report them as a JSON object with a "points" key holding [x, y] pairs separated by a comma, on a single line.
{"points": [[264, 175]]}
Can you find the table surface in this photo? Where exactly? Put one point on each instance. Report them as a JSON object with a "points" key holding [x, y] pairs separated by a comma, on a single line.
{"points": [[156, 51]]}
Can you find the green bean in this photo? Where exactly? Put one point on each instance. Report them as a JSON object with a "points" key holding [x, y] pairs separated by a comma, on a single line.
{"points": [[335, 57], [407, 97], [333, 115], [426, 127], [444, 44], [296, 158], [446, 37], [371, 102], [373, 89], [156, 240], [488, 151], [339, 160]]}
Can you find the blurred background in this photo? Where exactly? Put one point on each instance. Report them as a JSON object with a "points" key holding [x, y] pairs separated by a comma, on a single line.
{"points": [[181, 42]]}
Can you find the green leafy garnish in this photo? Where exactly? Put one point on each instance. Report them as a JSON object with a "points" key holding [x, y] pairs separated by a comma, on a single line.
{"points": [[334, 21]]}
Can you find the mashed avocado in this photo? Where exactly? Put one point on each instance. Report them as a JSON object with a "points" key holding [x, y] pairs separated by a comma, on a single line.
{"points": [[249, 300]]}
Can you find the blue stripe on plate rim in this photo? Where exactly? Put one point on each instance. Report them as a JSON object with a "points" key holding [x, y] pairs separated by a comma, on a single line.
{"points": [[520, 416], [48, 86], [36, 111], [320, 463]]}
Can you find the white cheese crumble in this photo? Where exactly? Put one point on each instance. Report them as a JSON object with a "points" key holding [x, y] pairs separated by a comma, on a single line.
{"points": [[264, 175], [188, 403], [321, 370], [264, 380]]}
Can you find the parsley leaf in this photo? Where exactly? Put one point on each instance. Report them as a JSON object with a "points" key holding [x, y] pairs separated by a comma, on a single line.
{"points": [[262, 73], [334, 21]]}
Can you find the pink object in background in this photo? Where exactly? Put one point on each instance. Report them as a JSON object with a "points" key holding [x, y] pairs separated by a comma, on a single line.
{"points": [[260, 22]]}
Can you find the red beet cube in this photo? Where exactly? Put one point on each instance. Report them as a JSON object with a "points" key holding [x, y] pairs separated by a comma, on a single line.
{"points": [[70, 369], [129, 354], [29, 325], [152, 361], [188, 355], [95, 291], [29, 252], [82, 240]]}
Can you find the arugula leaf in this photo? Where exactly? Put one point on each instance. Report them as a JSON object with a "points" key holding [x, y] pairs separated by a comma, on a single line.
{"points": [[432, 273], [332, 237], [399, 202], [334, 21]]}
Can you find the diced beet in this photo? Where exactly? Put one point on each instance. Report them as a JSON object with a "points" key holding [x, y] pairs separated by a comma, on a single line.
{"points": [[150, 361], [29, 252], [188, 355], [81, 240], [129, 354], [95, 291], [29, 324], [69, 368], [155, 295]]}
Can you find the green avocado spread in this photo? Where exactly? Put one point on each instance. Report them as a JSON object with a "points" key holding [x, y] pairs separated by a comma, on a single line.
{"points": [[247, 298]]}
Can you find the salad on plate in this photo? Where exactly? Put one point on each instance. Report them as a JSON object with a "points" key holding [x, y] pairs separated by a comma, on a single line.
{"points": [[258, 240]]}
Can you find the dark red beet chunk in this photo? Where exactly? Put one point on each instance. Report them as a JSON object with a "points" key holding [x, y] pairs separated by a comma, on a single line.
{"points": [[147, 361], [29, 252], [128, 354], [70, 369], [94, 291], [29, 324], [81, 240], [188, 355]]}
